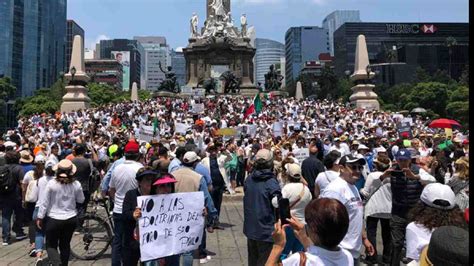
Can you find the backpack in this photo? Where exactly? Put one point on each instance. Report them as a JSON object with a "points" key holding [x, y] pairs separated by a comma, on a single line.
{"points": [[7, 181], [32, 191]]}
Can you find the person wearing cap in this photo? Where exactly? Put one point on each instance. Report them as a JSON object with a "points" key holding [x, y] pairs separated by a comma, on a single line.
{"points": [[260, 187], [131, 248], [437, 207], [118, 159], [41, 186], [188, 180], [11, 200], [323, 179], [312, 166], [344, 190], [58, 208], [299, 196], [176, 163], [448, 246], [122, 180], [30, 202], [378, 207], [406, 190]]}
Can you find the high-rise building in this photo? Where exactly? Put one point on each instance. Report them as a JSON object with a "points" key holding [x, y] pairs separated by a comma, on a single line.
{"points": [[303, 44], [73, 29], [414, 44], [105, 71], [127, 52], [178, 63], [32, 43], [269, 52], [156, 51], [334, 20]]}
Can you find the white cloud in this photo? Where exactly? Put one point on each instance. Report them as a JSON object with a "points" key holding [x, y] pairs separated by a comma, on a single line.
{"points": [[90, 43]]}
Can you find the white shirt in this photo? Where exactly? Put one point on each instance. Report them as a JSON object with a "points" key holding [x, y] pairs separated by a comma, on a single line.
{"points": [[348, 195], [60, 200], [417, 237], [319, 256], [323, 179], [123, 180], [42, 182]]}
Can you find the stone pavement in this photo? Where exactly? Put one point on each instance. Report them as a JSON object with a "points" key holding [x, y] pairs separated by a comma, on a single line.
{"points": [[229, 245]]}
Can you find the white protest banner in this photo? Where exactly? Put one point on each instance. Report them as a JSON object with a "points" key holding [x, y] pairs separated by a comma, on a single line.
{"points": [[146, 133], [170, 224], [301, 154], [181, 127], [199, 92], [408, 120], [277, 129], [197, 108]]}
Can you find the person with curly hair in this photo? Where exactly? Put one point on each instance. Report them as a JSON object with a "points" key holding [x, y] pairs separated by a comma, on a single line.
{"points": [[459, 183], [436, 208]]}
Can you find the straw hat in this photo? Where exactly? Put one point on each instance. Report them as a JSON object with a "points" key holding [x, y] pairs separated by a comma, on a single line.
{"points": [[65, 165]]}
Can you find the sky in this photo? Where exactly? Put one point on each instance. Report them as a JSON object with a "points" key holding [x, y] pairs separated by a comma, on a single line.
{"points": [[110, 19]]}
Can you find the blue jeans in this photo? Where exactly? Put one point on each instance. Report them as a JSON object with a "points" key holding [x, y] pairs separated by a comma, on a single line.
{"points": [[293, 245], [171, 260], [117, 240], [39, 236], [8, 207], [188, 258]]}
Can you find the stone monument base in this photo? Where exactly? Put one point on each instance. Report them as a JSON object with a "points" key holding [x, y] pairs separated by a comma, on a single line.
{"points": [[75, 99], [363, 97], [248, 91]]}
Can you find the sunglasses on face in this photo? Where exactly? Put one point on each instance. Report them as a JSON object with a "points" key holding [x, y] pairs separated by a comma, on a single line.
{"points": [[356, 167]]}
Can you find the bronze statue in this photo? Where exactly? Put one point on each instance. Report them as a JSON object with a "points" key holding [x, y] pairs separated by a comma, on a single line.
{"points": [[169, 84], [231, 82], [209, 84], [273, 80]]}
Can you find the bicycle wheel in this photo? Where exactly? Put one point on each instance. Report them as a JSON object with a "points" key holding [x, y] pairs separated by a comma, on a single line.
{"points": [[92, 240]]}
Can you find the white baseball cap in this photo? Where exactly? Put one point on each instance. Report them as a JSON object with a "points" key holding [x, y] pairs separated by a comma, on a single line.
{"points": [[363, 147], [438, 196], [293, 170], [190, 157]]}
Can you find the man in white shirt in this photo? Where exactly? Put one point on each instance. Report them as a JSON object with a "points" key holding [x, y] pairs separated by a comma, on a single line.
{"points": [[344, 190], [123, 180]]}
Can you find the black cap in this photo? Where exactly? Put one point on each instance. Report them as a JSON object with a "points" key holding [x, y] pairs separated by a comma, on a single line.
{"points": [[449, 245], [348, 159]]}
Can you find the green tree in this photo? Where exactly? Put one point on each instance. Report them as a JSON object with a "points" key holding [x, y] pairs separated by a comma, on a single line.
{"points": [[344, 91], [421, 75], [430, 95], [327, 84], [6, 91], [101, 94]]}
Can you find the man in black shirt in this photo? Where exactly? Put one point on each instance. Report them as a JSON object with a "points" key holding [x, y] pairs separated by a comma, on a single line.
{"points": [[312, 166]]}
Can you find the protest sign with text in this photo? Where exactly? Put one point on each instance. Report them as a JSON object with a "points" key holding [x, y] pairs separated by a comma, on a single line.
{"points": [[170, 224], [146, 133]]}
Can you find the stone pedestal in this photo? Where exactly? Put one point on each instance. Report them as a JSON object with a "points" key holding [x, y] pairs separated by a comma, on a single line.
{"points": [[363, 95], [76, 92], [299, 91], [75, 99], [134, 95]]}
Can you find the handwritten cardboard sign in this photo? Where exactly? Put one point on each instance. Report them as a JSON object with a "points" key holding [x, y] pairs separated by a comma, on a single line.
{"points": [[197, 108], [301, 154], [181, 127], [170, 224]]}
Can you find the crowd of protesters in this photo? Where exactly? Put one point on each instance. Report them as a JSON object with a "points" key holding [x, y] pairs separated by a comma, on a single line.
{"points": [[359, 170]]}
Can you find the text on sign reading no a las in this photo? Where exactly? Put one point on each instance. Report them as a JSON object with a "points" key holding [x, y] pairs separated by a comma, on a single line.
{"points": [[170, 224]]}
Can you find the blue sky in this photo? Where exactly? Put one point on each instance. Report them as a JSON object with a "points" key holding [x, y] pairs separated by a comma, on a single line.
{"points": [[109, 19]]}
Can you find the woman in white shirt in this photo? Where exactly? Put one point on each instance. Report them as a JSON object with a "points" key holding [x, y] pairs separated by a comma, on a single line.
{"points": [[327, 224], [436, 208], [299, 196], [58, 210]]}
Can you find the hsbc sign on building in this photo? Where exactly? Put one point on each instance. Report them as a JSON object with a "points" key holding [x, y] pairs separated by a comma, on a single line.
{"points": [[411, 28]]}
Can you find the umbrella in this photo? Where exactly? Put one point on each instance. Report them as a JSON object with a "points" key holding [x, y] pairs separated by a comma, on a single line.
{"points": [[403, 112], [443, 123], [418, 110]]}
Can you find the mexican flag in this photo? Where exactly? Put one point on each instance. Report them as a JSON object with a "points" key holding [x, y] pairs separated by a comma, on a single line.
{"points": [[155, 125], [256, 106]]}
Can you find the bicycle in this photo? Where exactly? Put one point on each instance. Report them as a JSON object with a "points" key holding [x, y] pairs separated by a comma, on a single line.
{"points": [[95, 236]]}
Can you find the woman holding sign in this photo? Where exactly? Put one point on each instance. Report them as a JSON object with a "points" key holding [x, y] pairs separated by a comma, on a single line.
{"points": [[131, 251], [162, 185]]}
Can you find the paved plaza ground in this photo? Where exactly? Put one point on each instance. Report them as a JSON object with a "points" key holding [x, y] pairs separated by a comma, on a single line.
{"points": [[229, 244]]}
